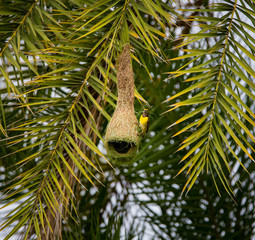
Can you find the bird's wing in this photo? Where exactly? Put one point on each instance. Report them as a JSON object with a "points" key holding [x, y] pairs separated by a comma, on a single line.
{"points": [[148, 124]]}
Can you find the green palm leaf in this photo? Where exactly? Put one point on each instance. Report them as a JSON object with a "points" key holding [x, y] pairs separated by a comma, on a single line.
{"points": [[63, 96], [221, 85]]}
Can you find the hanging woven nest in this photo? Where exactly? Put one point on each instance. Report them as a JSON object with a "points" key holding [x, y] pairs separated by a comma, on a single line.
{"points": [[122, 140]]}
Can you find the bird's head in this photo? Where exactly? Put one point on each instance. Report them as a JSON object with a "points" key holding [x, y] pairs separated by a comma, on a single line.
{"points": [[145, 113]]}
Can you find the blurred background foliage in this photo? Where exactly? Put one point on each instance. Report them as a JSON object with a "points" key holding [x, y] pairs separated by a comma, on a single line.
{"points": [[58, 91]]}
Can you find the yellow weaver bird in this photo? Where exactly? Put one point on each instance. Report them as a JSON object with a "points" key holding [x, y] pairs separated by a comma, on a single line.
{"points": [[144, 122]]}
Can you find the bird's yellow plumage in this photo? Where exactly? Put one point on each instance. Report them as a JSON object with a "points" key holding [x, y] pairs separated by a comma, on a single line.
{"points": [[144, 122]]}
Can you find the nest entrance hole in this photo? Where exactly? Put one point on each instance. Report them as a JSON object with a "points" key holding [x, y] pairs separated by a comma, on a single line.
{"points": [[121, 146]]}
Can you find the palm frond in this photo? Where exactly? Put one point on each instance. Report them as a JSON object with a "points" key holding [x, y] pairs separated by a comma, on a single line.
{"points": [[221, 84], [63, 57]]}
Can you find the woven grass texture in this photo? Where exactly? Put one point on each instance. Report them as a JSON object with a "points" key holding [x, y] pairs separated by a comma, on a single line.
{"points": [[122, 140]]}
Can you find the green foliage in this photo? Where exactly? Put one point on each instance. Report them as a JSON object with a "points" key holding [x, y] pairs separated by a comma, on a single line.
{"points": [[58, 91], [217, 83]]}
